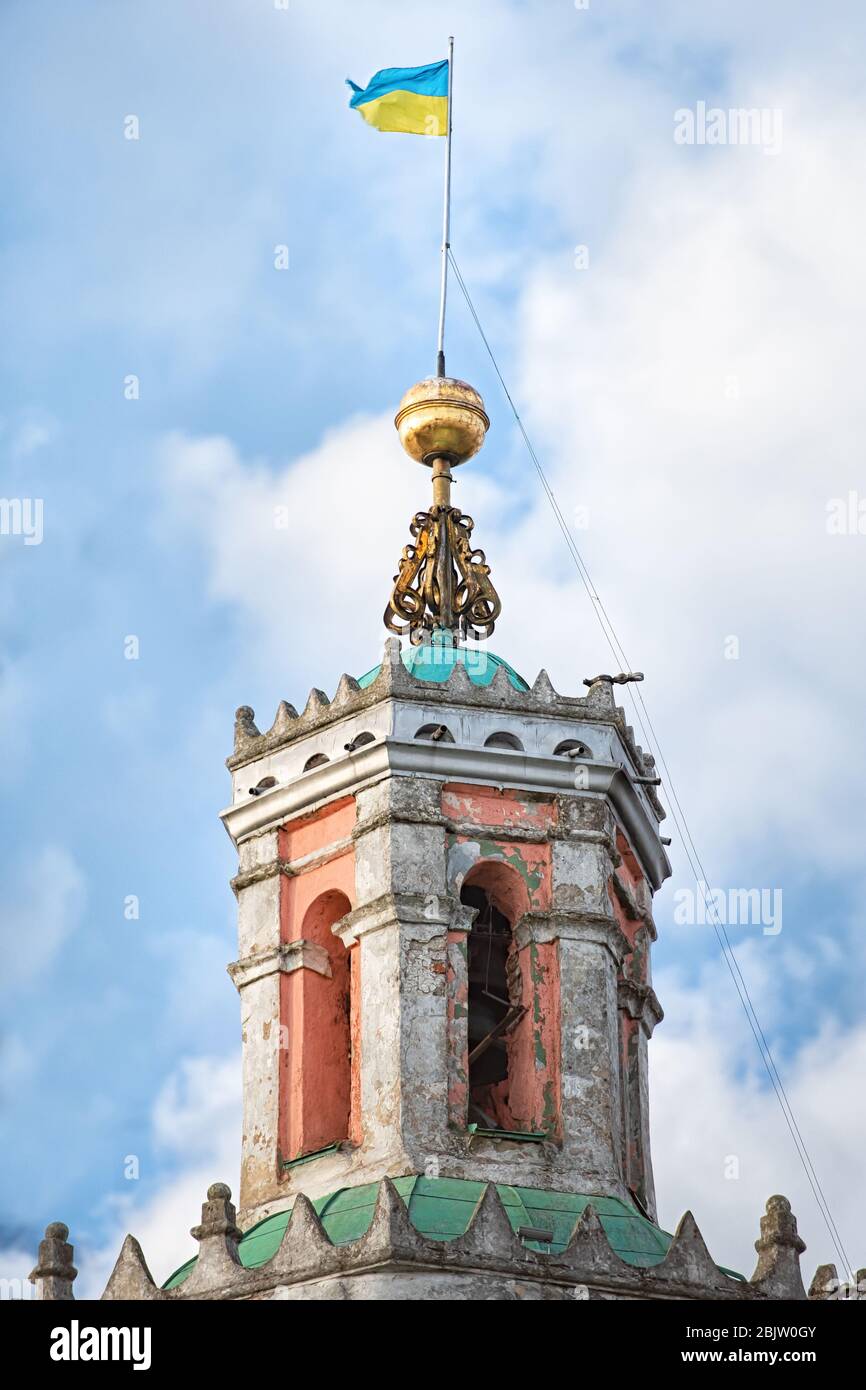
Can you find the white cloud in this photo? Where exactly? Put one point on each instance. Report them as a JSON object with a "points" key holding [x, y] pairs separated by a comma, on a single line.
{"points": [[30, 436], [42, 909], [304, 551], [698, 389], [196, 1120], [712, 1107]]}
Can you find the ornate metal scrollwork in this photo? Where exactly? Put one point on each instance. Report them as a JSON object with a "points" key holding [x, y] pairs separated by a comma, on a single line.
{"points": [[442, 581]]}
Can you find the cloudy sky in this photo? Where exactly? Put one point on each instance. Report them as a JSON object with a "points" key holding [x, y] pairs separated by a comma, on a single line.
{"points": [[683, 328]]}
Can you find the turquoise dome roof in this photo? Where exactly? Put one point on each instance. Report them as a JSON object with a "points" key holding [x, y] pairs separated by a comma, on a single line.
{"points": [[436, 660]]}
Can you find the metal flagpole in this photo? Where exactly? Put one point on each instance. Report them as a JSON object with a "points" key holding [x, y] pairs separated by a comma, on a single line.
{"points": [[446, 219]]}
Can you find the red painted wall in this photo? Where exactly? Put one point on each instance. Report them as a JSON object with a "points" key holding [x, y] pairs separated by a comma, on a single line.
{"points": [[318, 1014]]}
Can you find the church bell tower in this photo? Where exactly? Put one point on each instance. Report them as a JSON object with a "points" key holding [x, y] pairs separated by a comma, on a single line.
{"points": [[444, 889], [445, 901]]}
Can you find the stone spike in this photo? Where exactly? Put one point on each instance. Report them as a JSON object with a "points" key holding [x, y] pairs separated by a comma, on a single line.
{"points": [[779, 1248], [305, 1246], [825, 1283], [390, 1233], [131, 1279], [245, 728], [393, 675], [285, 718], [317, 701], [589, 1251], [542, 687], [489, 1231], [500, 687], [460, 682], [346, 690], [688, 1260]]}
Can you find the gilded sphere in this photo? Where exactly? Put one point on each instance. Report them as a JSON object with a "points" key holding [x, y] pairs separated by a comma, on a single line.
{"points": [[441, 418]]}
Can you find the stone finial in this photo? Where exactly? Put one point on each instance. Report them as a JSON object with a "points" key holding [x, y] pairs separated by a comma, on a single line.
{"points": [[218, 1216], [825, 1283], [54, 1272], [779, 1248], [245, 727], [218, 1237]]}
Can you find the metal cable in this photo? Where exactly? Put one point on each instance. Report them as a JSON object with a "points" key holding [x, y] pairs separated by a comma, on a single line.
{"points": [[650, 737]]}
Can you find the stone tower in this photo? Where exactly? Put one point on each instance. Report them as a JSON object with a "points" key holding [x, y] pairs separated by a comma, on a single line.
{"points": [[445, 926]]}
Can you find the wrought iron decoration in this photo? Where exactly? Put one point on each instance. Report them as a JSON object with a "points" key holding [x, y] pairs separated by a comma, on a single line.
{"points": [[443, 581]]}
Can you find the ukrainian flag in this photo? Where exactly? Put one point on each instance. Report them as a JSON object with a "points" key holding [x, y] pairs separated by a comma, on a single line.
{"points": [[411, 100]]}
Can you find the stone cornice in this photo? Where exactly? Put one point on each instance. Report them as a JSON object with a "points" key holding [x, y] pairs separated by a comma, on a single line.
{"points": [[563, 925], [640, 1002], [290, 956], [426, 916], [632, 907], [454, 762]]}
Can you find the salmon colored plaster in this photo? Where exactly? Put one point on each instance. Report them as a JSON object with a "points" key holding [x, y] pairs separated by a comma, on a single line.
{"points": [[534, 1069], [319, 1066], [331, 827], [496, 806], [630, 875]]}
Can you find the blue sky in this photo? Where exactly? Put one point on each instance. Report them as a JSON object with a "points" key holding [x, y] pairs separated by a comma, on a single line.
{"points": [[697, 390]]}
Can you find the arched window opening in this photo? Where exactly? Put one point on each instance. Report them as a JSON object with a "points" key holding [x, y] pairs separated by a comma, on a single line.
{"points": [[317, 760], [435, 733], [572, 748], [494, 1009], [504, 740], [317, 1013], [359, 741]]}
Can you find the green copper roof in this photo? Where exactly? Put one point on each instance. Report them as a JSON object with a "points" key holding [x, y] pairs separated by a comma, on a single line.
{"points": [[441, 1209], [437, 660]]}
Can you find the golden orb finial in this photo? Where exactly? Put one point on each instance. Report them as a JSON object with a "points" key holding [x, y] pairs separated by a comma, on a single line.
{"points": [[441, 417], [443, 583]]}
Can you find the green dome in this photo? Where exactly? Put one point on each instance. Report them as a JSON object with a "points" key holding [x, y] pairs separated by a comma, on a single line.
{"points": [[436, 660], [441, 1209]]}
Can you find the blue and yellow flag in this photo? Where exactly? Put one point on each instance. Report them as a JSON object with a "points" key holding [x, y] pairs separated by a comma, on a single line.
{"points": [[411, 100]]}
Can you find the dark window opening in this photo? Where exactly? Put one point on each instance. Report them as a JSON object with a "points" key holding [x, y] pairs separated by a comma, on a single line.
{"points": [[572, 748], [494, 1009], [317, 760], [359, 741], [503, 740], [435, 733]]}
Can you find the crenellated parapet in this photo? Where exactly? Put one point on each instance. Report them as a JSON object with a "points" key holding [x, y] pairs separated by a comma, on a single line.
{"points": [[386, 1252]]}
